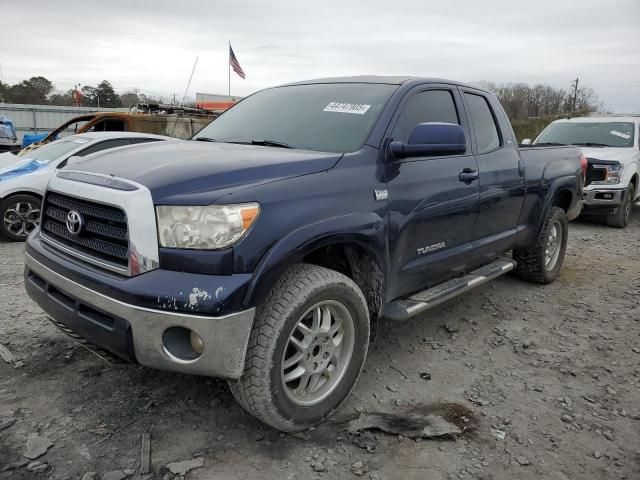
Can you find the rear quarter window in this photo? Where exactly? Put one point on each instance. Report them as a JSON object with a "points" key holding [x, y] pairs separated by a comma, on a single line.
{"points": [[484, 123]]}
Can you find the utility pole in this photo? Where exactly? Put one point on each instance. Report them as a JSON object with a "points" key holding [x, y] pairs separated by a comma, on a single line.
{"points": [[575, 93]]}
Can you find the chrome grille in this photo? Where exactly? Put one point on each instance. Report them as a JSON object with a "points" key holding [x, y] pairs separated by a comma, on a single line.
{"points": [[105, 232]]}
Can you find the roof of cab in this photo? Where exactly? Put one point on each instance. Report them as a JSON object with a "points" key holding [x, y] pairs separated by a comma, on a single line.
{"points": [[388, 80], [110, 135], [601, 119]]}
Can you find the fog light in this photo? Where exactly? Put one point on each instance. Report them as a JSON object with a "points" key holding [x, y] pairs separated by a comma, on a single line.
{"points": [[196, 342], [182, 344]]}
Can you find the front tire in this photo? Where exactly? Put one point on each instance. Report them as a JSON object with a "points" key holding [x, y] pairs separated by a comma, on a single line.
{"points": [[19, 216], [542, 262], [621, 218], [306, 350]]}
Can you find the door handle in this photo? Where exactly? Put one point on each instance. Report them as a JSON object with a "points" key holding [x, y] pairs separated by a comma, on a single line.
{"points": [[468, 175]]}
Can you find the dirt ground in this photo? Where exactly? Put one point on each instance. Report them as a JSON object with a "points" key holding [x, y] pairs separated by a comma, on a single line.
{"points": [[552, 373]]}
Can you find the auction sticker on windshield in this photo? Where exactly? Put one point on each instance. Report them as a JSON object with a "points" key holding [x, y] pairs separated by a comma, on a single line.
{"points": [[626, 136], [340, 107]]}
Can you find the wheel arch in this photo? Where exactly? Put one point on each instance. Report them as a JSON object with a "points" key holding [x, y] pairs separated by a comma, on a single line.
{"points": [[23, 191], [562, 193], [353, 245]]}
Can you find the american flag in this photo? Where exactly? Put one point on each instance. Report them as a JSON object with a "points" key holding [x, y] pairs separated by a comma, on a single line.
{"points": [[233, 61]]}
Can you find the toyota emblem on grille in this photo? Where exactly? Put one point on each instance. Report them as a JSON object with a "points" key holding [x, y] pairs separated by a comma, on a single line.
{"points": [[74, 222]]}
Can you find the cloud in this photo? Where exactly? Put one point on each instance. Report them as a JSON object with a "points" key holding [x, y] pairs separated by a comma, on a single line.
{"points": [[153, 44]]}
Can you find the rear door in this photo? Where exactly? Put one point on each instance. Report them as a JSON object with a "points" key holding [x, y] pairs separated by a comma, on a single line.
{"points": [[502, 181], [431, 212]]}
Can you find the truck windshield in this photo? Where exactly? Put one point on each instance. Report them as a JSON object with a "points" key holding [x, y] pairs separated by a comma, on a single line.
{"points": [[330, 117], [596, 134], [7, 131], [54, 150]]}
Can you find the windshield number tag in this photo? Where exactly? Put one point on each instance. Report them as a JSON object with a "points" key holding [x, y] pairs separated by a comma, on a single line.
{"points": [[340, 107], [626, 136]]}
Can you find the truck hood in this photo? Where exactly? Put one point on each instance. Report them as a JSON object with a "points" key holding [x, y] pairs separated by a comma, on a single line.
{"points": [[622, 155], [12, 166], [197, 173]]}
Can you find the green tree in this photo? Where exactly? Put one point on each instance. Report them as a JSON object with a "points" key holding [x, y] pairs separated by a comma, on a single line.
{"points": [[90, 96], [129, 99], [63, 99], [5, 90], [35, 90], [107, 95]]}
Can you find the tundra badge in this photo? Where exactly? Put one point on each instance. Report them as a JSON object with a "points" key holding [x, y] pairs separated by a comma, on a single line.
{"points": [[431, 248]]}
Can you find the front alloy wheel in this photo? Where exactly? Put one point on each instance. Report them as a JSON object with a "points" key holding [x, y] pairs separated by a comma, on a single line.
{"points": [[20, 216], [317, 353], [306, 349]]}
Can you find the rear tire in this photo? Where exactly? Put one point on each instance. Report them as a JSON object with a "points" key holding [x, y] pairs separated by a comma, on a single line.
{"points": [[306, 350], [621, 218], [19, 216], [542, 262]]}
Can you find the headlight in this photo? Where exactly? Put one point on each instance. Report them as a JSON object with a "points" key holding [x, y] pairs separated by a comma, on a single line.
{"points": [[207, 228], [611, 173]]}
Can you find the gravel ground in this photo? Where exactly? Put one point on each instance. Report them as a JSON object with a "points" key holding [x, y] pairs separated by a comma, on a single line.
{"points": [[552, 374]]}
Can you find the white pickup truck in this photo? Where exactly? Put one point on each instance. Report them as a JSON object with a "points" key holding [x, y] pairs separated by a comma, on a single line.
{"points": [[611, 145]]}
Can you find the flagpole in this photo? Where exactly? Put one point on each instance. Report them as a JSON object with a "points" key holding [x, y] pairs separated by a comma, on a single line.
{"points": [[229, 65]]}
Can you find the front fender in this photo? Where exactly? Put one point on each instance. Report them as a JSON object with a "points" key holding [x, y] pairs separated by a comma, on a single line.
{"points": [[367, 230]]}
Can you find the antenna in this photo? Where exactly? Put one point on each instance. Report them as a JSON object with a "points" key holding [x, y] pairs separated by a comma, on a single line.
{"points": [[185, 95], [189, 83]]}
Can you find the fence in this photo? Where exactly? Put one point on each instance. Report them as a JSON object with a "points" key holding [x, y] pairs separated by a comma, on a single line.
{"points": [[44, 118]]}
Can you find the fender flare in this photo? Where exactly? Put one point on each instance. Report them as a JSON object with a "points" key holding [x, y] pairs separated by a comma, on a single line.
{"points": [[563, 183], [364, 229]]}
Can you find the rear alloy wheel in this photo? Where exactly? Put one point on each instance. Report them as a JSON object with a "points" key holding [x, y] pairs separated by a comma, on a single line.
{"points": [[620, 219], [20, 216], [541, 263]]}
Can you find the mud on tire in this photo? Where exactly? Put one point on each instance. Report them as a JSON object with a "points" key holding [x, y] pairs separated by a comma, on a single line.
{"points": [[534, 263], [262, 389]]}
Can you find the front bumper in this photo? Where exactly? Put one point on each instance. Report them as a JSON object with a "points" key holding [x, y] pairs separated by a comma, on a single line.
{"points": [[138, 333], [602, 201], [603, 197]]}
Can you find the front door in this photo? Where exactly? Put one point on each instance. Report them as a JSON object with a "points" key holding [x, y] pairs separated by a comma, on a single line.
{"points": [[432, 213]]}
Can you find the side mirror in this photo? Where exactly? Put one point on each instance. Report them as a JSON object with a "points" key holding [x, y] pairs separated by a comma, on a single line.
{"points": [[526, 141], [430, 139]]}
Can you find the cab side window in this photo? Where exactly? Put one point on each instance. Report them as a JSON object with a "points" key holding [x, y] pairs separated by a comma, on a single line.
{"points": [[484, 123], [425, 107], [116, 142]]}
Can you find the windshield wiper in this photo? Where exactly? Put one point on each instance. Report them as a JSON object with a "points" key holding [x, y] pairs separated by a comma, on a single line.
{"points": [[270, 143], [206, 139], [263, 143], [549, 144], [591, 144]]}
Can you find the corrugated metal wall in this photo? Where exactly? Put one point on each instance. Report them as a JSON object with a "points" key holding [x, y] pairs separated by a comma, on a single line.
{"points": [[43, 118]]}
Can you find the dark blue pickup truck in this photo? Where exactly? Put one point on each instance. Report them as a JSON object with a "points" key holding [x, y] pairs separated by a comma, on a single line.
{"points": [[266, 249]]}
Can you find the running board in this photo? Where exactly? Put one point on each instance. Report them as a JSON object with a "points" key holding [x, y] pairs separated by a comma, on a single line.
{"points": [[408, 307]]}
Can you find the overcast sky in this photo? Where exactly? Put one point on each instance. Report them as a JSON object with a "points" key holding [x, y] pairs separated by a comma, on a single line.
{"points": [[153, 44]]}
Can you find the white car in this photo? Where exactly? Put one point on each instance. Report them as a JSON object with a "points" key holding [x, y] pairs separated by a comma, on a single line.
{"points": [[612, 147], [23, 179]]}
